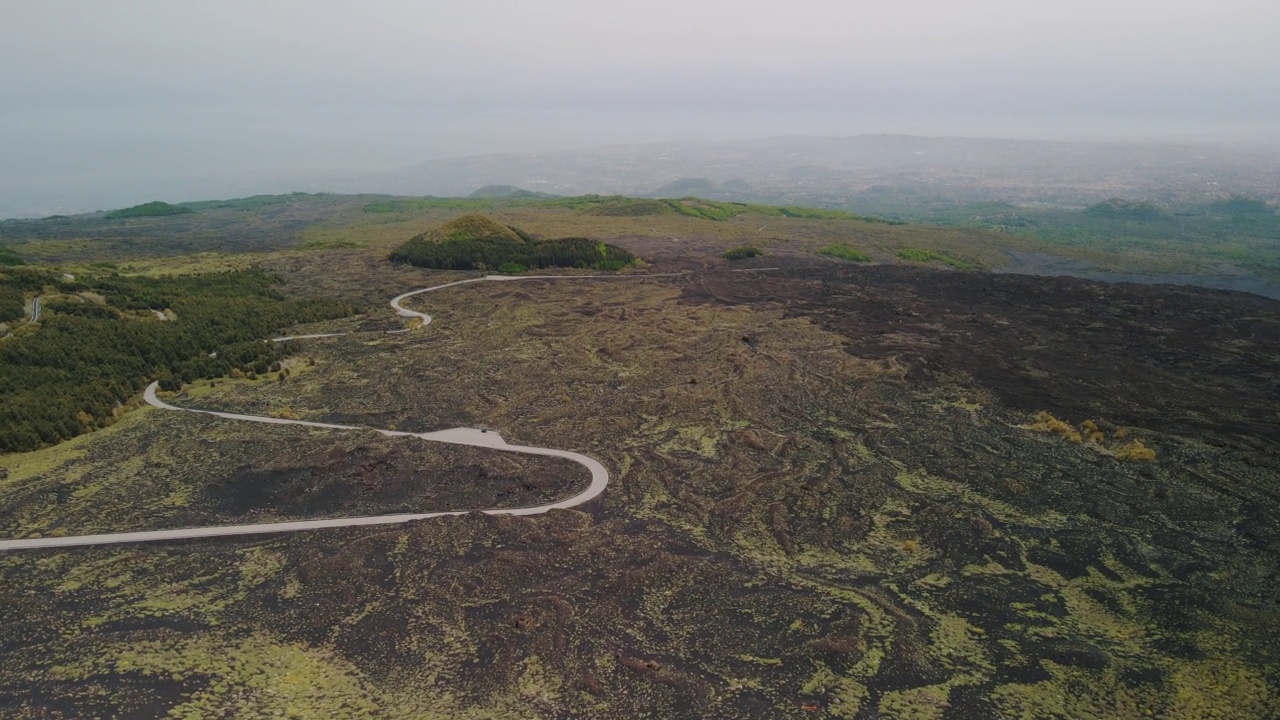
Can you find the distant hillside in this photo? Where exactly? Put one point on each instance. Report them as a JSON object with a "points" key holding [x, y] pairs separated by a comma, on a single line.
{"points": [[151, 209], [1121, 209], [476, 242], [509, 191], [702, 187], [630, 207], [1237, 206], [686, 187], [910, 172]]}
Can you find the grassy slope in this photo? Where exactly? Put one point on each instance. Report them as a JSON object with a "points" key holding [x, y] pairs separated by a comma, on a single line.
{"points": [[151, 209], [765, 227], [1176, 243], [1187, 239], [221, 230]]}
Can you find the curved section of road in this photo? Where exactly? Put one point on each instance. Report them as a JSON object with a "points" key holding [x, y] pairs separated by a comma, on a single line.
{"points": [[403, 311], [35, 318], [287, 338], [455, 436]]}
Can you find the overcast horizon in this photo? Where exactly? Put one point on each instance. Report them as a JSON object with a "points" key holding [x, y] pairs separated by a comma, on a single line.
{"points": [[102, 94]]}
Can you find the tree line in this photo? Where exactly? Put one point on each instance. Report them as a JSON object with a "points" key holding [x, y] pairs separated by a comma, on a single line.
{"points": [[495, 253], [86, 360]]}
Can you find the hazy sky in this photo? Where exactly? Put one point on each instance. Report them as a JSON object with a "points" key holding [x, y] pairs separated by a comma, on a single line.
{"points": [[113, 89]]}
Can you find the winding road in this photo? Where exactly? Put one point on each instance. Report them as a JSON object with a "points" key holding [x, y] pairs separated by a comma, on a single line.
{"points": [[454, 436], [35, 318]]}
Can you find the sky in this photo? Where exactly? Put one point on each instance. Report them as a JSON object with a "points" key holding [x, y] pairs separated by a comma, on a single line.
{"points": [[100, 92]]}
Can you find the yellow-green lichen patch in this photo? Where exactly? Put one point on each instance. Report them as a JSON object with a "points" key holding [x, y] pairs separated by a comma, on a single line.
{"points": [[1220, 689], [958, 646], [844, 695], [252, 677], [921, 703], [1079, 693]]}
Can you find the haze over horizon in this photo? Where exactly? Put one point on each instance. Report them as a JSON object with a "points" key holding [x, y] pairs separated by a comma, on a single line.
{"points": [[105, 96]]}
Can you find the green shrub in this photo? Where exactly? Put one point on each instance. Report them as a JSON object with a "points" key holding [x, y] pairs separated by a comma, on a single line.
{"points": [[511, 268], [82, 309], [13, 303], [917, 255], [1134, 450], [742, 252], [844, 252]]}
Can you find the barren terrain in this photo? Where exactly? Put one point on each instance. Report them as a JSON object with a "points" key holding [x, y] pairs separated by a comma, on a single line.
{"points": [[831, 497]]}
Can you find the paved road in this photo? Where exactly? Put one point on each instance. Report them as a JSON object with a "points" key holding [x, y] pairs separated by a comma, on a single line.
{"points": [[426, 319], [454, 436], [35, 316], [287, 338]]}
